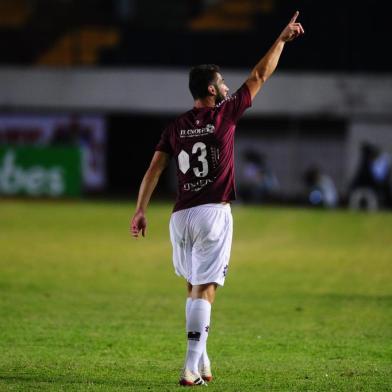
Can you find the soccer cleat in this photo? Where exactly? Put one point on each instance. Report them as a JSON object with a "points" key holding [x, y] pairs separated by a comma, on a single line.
{"points": [[189, 379], [205, 373]]}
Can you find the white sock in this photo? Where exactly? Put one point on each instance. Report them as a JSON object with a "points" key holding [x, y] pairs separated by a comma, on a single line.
{"points": [[198, 323], [204, 359], [188, 304]]}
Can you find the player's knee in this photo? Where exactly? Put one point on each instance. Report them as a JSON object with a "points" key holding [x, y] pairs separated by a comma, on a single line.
{"points": [[189, 289], [205, 291]]}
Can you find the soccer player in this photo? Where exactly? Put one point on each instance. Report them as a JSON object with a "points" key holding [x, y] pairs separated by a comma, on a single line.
{"points": [[202, 143]]}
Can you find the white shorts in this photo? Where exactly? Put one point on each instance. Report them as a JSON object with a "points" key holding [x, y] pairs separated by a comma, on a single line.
{"points": [[201, 237]]}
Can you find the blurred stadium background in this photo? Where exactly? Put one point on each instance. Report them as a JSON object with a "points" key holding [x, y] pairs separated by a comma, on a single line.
{"points": [[87, 87]]}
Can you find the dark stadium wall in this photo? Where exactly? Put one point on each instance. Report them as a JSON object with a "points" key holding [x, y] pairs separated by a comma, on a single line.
{"points": [[331, 42], [130, 147]]}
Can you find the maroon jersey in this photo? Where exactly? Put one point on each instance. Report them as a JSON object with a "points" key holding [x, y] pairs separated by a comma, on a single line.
{"points": [[202, 143]]}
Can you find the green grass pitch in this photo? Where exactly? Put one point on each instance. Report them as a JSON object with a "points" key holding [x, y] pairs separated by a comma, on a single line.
{"points": [[307, 304]]}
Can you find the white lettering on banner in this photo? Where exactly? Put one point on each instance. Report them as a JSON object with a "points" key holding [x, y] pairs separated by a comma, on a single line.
{"points": [[209, 128], [35, 181]]}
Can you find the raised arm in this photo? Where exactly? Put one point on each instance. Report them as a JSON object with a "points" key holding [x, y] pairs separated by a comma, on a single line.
{"points": [[267, 65], [158, 163]]}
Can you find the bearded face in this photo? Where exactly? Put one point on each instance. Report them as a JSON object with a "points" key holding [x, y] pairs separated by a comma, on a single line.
{"points": [[220, 88], [220, 96]]}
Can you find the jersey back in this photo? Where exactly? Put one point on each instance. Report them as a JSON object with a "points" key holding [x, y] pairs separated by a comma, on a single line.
{"points": [[202, 143]]}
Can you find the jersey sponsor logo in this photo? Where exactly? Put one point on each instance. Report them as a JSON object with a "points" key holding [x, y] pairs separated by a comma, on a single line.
{"points": [[208, 129], [197, 185]]}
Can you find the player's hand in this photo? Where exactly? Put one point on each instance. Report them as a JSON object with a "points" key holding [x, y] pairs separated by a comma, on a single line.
{"points": [[292, 30], [138, 223]]}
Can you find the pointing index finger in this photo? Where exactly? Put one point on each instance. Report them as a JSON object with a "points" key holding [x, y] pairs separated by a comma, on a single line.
{"points": [[294, 18]]}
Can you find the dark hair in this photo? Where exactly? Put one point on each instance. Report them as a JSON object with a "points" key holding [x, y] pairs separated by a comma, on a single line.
{"points": [[200, 77]]}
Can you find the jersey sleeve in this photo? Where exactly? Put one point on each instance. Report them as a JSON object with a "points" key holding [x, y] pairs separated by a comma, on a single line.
{"points": [[236, 104], [164, 144]]}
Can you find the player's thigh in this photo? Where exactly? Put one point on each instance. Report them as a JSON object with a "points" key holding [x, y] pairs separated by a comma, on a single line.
{"points": [[212, 247], [181, 243]]}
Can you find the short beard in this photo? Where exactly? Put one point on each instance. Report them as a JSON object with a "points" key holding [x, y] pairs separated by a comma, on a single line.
{"points": [[219, 96]]}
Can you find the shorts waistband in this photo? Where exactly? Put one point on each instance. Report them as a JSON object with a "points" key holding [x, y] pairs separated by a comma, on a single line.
{"points": [[221, 205]]}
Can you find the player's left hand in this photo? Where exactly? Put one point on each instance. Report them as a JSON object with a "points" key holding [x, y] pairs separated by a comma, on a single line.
{"points": [[138, 223], [292, 30]]}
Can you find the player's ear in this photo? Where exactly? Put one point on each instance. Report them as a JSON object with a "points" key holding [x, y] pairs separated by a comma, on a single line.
{"points": [[212, 90]]}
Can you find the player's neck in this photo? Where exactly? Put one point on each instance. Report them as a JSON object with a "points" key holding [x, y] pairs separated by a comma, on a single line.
{"points": [[208, 102]]}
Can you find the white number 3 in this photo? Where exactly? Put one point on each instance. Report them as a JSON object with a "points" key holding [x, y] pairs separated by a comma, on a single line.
{"points": [[202, 158], [183, 160]]}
